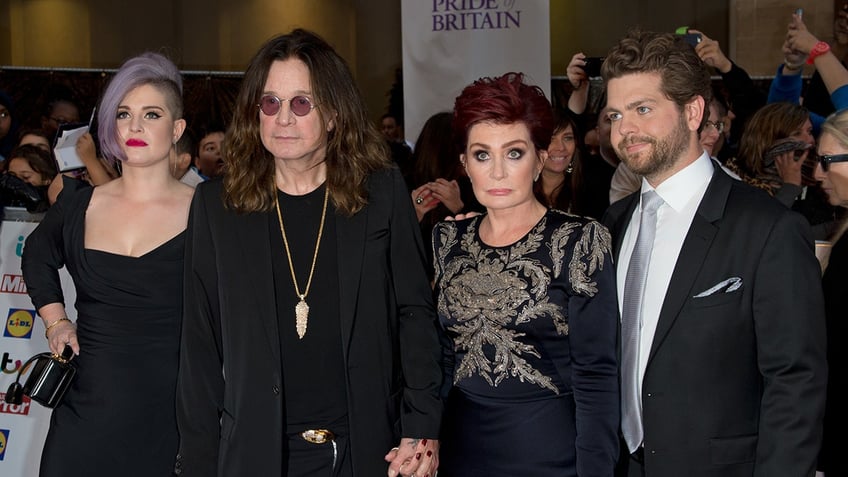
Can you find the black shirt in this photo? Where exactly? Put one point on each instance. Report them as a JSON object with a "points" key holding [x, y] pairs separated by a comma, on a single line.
{"points": [[313, 367]]}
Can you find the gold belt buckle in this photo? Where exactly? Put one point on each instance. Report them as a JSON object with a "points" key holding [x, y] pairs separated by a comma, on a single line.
{"points": [[317, 436]]}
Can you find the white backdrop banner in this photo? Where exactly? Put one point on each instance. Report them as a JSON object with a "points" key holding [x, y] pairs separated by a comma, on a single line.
{"points": [[22, 427], [447, 44]]}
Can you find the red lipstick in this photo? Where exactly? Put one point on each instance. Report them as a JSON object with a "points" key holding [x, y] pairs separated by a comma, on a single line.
{"points": [[135, 143]]}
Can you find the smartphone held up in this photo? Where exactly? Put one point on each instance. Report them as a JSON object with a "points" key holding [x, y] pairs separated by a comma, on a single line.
{"points": [[593, 66]]}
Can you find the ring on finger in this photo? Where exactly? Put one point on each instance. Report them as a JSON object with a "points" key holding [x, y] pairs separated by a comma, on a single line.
{"points": [[419, 199]]}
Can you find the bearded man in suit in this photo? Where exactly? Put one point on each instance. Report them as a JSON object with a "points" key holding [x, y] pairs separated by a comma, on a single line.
{"points": [[723, 343]]}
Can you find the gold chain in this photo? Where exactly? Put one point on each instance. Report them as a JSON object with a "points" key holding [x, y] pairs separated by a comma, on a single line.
{"points": [[302, 309]]}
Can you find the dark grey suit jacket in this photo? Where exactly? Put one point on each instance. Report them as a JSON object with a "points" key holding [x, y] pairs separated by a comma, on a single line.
{"points": [[735, 381], [230, 405]]}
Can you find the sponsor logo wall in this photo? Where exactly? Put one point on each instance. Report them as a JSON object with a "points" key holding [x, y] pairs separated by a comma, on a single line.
{"points": [[23, 427]]}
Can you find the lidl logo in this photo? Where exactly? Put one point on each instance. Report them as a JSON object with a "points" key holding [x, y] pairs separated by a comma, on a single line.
{"points": [[13, 284], [4, 438], [20, 409], [19, 323]]}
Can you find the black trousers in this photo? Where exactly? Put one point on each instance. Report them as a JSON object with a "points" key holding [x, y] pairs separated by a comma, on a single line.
{"points": [[306, 459]]}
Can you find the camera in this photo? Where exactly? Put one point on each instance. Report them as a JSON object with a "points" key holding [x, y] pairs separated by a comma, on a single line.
{"points": [[593, 66], [692, 38]]}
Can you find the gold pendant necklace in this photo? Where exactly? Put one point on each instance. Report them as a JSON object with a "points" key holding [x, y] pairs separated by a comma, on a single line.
{"points": [[301, 310]]}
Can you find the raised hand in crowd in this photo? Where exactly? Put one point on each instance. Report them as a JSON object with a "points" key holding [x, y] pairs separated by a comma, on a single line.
{"points": [[799, 42], [579, 81], [789, 162], [709, 51], [803, 45]]}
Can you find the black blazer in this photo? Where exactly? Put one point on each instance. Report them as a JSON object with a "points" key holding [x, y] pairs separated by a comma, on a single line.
{"points": [[735, 381], [230, 407], [835, 283]]}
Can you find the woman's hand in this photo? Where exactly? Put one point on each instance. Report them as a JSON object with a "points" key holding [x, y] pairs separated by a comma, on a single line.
{"points": [[789, 166], [423, 200], [447, 192], [414, 458], [86, 150], [59, 330], [464, 216], [798, 38], [62, 331], [575, 72]]}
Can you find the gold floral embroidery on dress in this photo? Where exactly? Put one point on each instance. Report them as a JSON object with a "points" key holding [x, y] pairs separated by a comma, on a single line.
{"points": [[488, 291]]}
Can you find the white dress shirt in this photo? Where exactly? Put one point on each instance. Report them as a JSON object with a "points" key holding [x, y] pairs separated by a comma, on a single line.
{"points": [[192, 177], [681, 193]]}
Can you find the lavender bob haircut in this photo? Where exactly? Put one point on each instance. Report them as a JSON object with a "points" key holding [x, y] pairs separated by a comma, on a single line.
{"points": [[506, 99], [146, 68]]}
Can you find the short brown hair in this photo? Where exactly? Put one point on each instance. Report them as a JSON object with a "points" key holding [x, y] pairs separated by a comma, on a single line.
{"points": [[684, 75]]}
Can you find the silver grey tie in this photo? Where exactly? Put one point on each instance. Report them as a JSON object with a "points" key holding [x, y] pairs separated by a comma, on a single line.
{"points": [[631, 321]]}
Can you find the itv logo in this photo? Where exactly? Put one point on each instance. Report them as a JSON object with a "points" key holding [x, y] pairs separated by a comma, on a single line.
{"points": [[8, 364]]}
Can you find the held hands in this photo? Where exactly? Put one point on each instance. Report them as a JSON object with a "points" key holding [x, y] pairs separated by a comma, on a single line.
{"points": [[414, 458], [710, 53], [575, 72]]}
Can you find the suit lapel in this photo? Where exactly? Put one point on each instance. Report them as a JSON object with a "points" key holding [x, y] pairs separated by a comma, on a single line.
{"points": [[693, 254], [255, 247], [620, 223], [350, 237]]}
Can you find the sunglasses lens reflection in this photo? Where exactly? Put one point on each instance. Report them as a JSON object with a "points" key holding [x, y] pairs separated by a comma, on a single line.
{"points": [[300, 105], [270, 105]]}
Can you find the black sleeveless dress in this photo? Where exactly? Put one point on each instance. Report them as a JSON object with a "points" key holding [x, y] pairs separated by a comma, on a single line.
{"points": [[118, 416]]}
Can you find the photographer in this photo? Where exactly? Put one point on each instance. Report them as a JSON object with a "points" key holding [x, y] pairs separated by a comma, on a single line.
{"points": [[30, 172]]}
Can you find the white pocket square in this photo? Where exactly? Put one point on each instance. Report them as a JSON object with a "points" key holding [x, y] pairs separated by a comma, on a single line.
{"points": [[726, 286]]}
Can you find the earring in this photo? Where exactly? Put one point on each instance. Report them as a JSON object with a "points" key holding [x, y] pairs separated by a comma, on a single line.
{"points": [[538, 173], [569, 169]]}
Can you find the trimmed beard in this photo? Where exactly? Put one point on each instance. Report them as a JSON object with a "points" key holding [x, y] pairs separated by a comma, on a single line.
{"points": [[664, 152]]}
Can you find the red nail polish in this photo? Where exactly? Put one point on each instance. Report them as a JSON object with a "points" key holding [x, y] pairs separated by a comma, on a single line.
{"points": [[417, 456], [423, 442], [429, 453]]}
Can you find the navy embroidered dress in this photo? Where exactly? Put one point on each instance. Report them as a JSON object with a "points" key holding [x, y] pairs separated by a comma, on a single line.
{"points": [[530, 350]]}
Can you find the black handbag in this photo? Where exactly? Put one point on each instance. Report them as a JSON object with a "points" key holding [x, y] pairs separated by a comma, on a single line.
{"points": [[47, 382]]}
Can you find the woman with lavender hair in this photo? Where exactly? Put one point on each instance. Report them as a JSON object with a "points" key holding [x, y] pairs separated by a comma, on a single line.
{"points": [[123, 244]]}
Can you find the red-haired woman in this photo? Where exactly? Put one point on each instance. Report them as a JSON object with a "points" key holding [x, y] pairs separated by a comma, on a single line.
{"points": [[526, 299]]}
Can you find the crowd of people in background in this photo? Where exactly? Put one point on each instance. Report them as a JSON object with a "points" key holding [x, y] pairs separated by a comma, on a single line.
{"points": [[524, 289]]}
